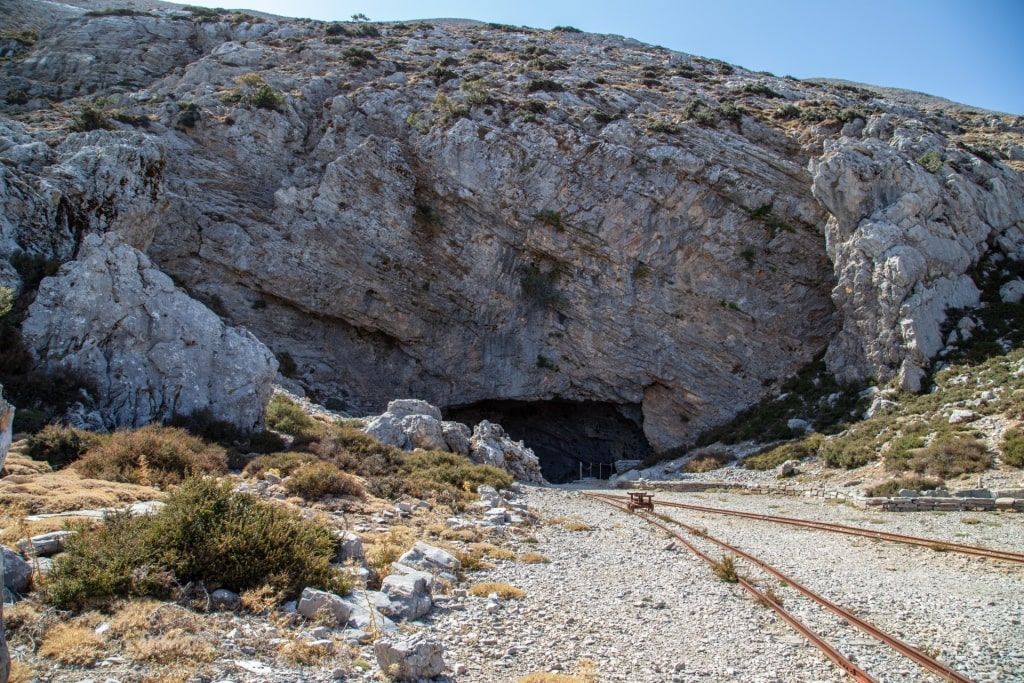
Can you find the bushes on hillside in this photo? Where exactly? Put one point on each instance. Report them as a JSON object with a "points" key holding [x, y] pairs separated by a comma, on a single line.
{"points": [[315, 480], [795, 450], [894, 486], [947, 456], [152, 456], [205, 533], [1012, 447], [60, 446]]}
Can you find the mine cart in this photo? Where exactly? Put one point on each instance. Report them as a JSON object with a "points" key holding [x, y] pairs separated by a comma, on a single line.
{"points": [[641, 499]]}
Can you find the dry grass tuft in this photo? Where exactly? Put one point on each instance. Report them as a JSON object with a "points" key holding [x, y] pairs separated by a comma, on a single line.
{"points": [[304, 653], [533, 558], [260, 600], [492, 551], [73, 644], [504, 590], [20, 673], [577, 526]]}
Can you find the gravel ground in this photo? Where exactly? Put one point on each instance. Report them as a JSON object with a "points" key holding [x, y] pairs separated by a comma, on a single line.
{"points": [[642, 608]]}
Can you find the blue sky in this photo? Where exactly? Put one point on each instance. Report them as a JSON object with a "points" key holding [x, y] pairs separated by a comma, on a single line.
{"points": [[970, 51]]}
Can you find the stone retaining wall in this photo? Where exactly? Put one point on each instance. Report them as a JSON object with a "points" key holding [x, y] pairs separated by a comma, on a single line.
{"points": [[893, 504]]}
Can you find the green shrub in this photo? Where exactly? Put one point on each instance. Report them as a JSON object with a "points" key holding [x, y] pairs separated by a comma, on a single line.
{"points": [[188, 114], [787, 112], [453, 469], [544, 85], [949, 456], [16, 97], [357, 57], [90, 117], [152, 456], [931, 161], [205, 533], [552, 219], [60, 446], [760, 89], [1012, 447], [265, 97], [699, 112], [313, 481], [847, 453], [894, 486], [283, 464], [284, 415]]}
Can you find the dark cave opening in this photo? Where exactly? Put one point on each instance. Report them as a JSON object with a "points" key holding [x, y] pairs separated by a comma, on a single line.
{"points": [[567, 436]]}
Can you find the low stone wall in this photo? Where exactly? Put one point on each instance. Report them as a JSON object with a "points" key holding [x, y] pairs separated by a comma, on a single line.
{"points": [[927, 503], [893, 504]]}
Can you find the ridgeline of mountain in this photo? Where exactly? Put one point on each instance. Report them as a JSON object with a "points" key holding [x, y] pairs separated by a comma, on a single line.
{"points": [[480, 216]]}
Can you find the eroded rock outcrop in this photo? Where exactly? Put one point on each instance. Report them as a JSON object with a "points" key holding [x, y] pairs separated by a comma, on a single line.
{"points": [[149, 350], [411, 423], [470, 213], [903, 239]]}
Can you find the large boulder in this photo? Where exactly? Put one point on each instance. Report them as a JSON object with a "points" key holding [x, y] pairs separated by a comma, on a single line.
{"points": [[428, 558], [409, 592], [490, 445], [149, 349], [408, 424], [409, 659]]}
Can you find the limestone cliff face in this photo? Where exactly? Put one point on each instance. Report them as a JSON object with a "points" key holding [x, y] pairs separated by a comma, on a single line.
{"points": [[466, 213]]}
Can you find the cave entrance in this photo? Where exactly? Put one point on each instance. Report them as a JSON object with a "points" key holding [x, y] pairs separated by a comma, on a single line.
{"points": [[569, 437]]}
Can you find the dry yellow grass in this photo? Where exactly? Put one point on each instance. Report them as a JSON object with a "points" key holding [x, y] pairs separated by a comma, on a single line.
{"points": [[66, 491], [504, 590], [299, 651], [19, 463], [72, 644], [577, 526], [533, 558], [491, 551], [20, 673]]}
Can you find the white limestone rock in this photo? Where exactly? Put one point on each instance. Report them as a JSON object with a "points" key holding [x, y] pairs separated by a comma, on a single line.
{"points": [[149, 349]]}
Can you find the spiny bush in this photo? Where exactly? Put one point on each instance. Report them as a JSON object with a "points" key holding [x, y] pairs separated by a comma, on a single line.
{"points": [[207, 533], [894, 486], [945, 457], [60, 446], [1011, 448], [152, 456], [313, 481]]}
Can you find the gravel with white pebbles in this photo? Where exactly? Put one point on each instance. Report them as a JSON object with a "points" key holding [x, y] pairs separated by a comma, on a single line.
{"points": [[641, 608]]}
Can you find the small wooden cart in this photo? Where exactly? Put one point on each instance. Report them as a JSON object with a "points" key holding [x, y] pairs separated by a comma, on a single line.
{"points": [[641, 499]]}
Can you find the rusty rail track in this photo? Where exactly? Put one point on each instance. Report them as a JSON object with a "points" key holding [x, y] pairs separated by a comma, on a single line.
{"points": [[934, 544], [928, 663]]}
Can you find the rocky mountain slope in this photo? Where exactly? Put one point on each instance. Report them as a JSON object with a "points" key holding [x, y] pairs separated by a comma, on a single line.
{"points": [[502, 221]]}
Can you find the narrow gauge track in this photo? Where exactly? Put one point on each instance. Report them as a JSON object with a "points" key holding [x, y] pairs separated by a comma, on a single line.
{"points": [[858, 674], [992, 553]]}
